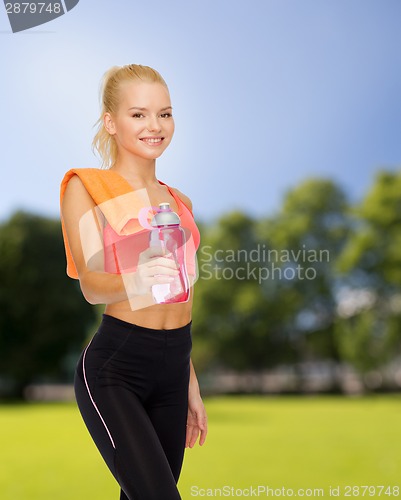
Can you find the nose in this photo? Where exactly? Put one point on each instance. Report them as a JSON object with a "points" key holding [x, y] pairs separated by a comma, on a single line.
{"points": [[153, 124]]}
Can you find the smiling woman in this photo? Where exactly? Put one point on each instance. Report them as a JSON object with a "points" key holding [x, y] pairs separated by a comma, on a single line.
{"points": [[132, 92], [135, 383]]}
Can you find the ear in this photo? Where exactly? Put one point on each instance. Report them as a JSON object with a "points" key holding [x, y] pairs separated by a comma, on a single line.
{"points": [[109, 123]]}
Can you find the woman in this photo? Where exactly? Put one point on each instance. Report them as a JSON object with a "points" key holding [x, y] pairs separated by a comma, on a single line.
{"points": [[135, 383]]}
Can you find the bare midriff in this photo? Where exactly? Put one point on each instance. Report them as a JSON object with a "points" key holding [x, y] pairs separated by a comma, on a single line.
{"points": [[158, 316]]}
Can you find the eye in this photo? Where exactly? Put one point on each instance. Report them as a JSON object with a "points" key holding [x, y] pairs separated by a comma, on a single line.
{"points": [[166, 115], [137, 115]]}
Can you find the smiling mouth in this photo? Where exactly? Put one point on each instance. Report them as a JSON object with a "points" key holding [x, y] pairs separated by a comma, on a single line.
{"points": [[152, 141]]}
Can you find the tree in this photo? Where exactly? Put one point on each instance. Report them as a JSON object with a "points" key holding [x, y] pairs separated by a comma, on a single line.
{"points": [[305, 238], [43, 315], [372, 253], [230, 311], [369, 334]]}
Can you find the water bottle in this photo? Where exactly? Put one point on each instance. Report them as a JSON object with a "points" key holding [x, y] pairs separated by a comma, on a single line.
{"points": [[169, 235]]}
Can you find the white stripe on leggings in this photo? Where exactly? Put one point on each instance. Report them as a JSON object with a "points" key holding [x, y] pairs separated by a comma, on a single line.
{"points": [[90, 395]]}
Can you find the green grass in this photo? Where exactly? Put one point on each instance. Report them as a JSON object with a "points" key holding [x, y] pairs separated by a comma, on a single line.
{"points": [[285, 442]]}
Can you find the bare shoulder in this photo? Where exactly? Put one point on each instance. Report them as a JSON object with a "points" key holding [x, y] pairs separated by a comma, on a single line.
{"points": [[183, 197]]}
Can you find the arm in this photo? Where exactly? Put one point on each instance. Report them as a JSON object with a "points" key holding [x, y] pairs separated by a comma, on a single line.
{"points": [[99, 287], [197, 418], [193, 382]]}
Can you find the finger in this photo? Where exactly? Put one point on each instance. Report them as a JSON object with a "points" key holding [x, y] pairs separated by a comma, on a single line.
{"points": [[154, 251], [146, 270], [203, 435], [194, 436], [202, 424], [162, 261], [161, 280], [167, 271], [150, 254], [188, 435]]}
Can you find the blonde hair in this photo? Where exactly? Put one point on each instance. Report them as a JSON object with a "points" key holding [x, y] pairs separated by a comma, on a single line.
{"points": [[109, 97]]}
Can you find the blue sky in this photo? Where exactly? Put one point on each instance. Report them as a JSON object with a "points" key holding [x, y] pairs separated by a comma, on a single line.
{"points": [[265, 93]]}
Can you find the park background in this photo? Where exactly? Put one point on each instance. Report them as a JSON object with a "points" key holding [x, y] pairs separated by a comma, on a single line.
{"points": [[287, 139]]}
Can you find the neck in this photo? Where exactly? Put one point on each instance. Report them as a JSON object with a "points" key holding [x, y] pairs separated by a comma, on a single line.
{"points": [[137, 171]]}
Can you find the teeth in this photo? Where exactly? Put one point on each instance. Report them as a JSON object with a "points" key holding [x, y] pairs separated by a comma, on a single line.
{"points": [[158, 139]]}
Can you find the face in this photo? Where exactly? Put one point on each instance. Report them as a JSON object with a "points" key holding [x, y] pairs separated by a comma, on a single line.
{"points": [[144, 124]]}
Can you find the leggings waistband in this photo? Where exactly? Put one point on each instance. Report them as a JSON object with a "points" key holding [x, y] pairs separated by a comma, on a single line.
{"points": [[111, 323]]}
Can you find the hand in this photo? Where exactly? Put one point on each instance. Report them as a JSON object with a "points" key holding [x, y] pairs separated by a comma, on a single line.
{"points": [[154, 267], [196, 421]]}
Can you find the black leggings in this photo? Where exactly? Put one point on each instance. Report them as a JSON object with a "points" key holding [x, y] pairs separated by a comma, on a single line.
{"points": [[131, 386]]}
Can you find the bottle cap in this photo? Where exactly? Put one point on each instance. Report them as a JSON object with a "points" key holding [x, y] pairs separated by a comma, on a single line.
{"points": [[165, 216]]}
